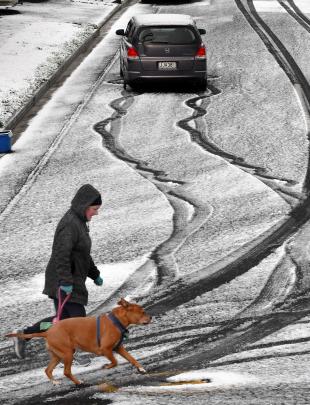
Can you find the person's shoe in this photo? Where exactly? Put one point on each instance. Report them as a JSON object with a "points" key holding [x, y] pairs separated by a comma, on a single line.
{"points": [[19, 345]]}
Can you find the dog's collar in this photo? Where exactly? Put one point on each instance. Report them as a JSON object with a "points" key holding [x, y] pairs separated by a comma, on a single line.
{"points": [[121, 327], [118, 323]]}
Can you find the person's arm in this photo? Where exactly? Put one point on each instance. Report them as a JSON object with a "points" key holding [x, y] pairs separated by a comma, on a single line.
{"points": [[94, 273]]}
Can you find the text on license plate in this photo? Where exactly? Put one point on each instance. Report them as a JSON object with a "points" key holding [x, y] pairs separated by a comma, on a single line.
{"points": [[167, 65]]}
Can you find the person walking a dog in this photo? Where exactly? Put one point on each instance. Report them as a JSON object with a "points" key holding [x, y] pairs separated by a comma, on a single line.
{"points": [[70, 263]]}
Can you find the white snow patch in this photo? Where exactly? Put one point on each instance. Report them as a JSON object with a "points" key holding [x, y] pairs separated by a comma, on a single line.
{"points": [[198, 4], [218, 378], [195, 379], [13, 77], [191, 212], [268, 6], [303, 5]]}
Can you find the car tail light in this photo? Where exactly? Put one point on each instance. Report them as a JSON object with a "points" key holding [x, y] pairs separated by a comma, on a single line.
{"points": [[201, 53], [132, 53]]}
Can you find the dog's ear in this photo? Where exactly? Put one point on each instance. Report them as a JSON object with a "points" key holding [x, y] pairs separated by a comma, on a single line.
{"points": [[123, 303]]}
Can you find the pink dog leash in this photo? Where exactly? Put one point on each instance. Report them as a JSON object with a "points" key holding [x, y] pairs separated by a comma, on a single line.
{"points": [[60, 306]]}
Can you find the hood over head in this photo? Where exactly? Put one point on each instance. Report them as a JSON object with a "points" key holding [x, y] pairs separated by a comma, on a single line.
{"points": [[86, 196]]}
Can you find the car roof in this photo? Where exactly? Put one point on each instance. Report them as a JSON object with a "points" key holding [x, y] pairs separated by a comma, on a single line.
{"points": [[163, 19]]}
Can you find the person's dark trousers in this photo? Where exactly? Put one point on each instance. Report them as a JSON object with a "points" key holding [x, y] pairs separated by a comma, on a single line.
{"points": [[70, 310]]}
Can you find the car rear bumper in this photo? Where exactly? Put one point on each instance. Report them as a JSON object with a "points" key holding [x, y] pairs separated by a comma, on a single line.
{"points": [[136, 77], [144, 71]]}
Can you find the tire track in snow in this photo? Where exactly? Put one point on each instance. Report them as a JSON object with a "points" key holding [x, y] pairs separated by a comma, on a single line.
{"points": [[251, 254], [299, 12], [295, 297], [291, 8], [279, 290], [165, 337], [286, 62], [235, 337], [283, 300], [237, 263], [198, 136], [298, 217], [162, 258]]}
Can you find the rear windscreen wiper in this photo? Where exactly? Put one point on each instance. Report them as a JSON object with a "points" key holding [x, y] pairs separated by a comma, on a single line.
{"points": [[159, 42]]}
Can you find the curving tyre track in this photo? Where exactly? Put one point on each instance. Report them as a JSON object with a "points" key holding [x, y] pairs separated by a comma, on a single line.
{"points": [[256, 250], [179, 199], [230, 338], [291, 8], [198, 136], [184, 290], [243, 330]]}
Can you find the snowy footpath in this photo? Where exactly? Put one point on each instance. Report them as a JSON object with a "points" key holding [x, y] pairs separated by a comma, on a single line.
{"points": [[36, 38]]}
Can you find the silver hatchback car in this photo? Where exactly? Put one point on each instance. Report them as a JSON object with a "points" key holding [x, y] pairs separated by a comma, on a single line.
{"points": [[162, 46]]}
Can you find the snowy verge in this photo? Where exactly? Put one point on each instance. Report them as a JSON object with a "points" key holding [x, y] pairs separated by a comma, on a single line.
{"points": [[52, 46]]}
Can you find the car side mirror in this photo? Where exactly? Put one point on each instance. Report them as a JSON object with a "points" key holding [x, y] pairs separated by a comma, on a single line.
{"points": [[202, 31], [120, 32]]}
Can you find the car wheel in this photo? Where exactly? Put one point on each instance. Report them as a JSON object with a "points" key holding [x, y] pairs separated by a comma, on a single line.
{"points": [[202, 84], [133, 85]]}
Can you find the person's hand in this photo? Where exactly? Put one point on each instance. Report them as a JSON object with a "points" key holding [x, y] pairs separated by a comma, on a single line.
{"points": [[67, 289], [98, 281]]}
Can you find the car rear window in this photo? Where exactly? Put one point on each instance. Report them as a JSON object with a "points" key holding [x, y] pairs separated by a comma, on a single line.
{"points": [[167, 35]]}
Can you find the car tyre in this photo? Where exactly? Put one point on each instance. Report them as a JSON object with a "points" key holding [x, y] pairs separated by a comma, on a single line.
{"points": [[133, 85], [202, 84]]}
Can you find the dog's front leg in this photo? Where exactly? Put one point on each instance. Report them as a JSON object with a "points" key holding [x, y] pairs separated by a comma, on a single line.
{"points": [[121, 350], [109, 355]]}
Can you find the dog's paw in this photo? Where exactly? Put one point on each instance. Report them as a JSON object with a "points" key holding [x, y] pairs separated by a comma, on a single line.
{"points": [[107, 366], [81, 384], [142, 370]]}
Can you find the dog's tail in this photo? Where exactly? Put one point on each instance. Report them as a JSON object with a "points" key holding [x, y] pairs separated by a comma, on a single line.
{"points": [[42, 334]]}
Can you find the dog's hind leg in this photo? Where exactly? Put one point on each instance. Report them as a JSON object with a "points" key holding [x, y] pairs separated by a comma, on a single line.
{"points": [[52, 364], [68, 357]]}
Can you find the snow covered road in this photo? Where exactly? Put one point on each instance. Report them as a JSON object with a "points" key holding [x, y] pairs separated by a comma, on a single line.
{"points": [[189, 181]]}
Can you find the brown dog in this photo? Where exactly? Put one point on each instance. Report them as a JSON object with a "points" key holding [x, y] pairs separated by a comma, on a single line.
{"points": [[99, 335]]}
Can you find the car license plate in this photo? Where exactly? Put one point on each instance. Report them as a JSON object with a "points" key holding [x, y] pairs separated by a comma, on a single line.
{"points": [[167, 65]]}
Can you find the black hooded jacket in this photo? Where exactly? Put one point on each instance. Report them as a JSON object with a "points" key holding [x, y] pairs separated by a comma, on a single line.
{"points": [[70, 262]]}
